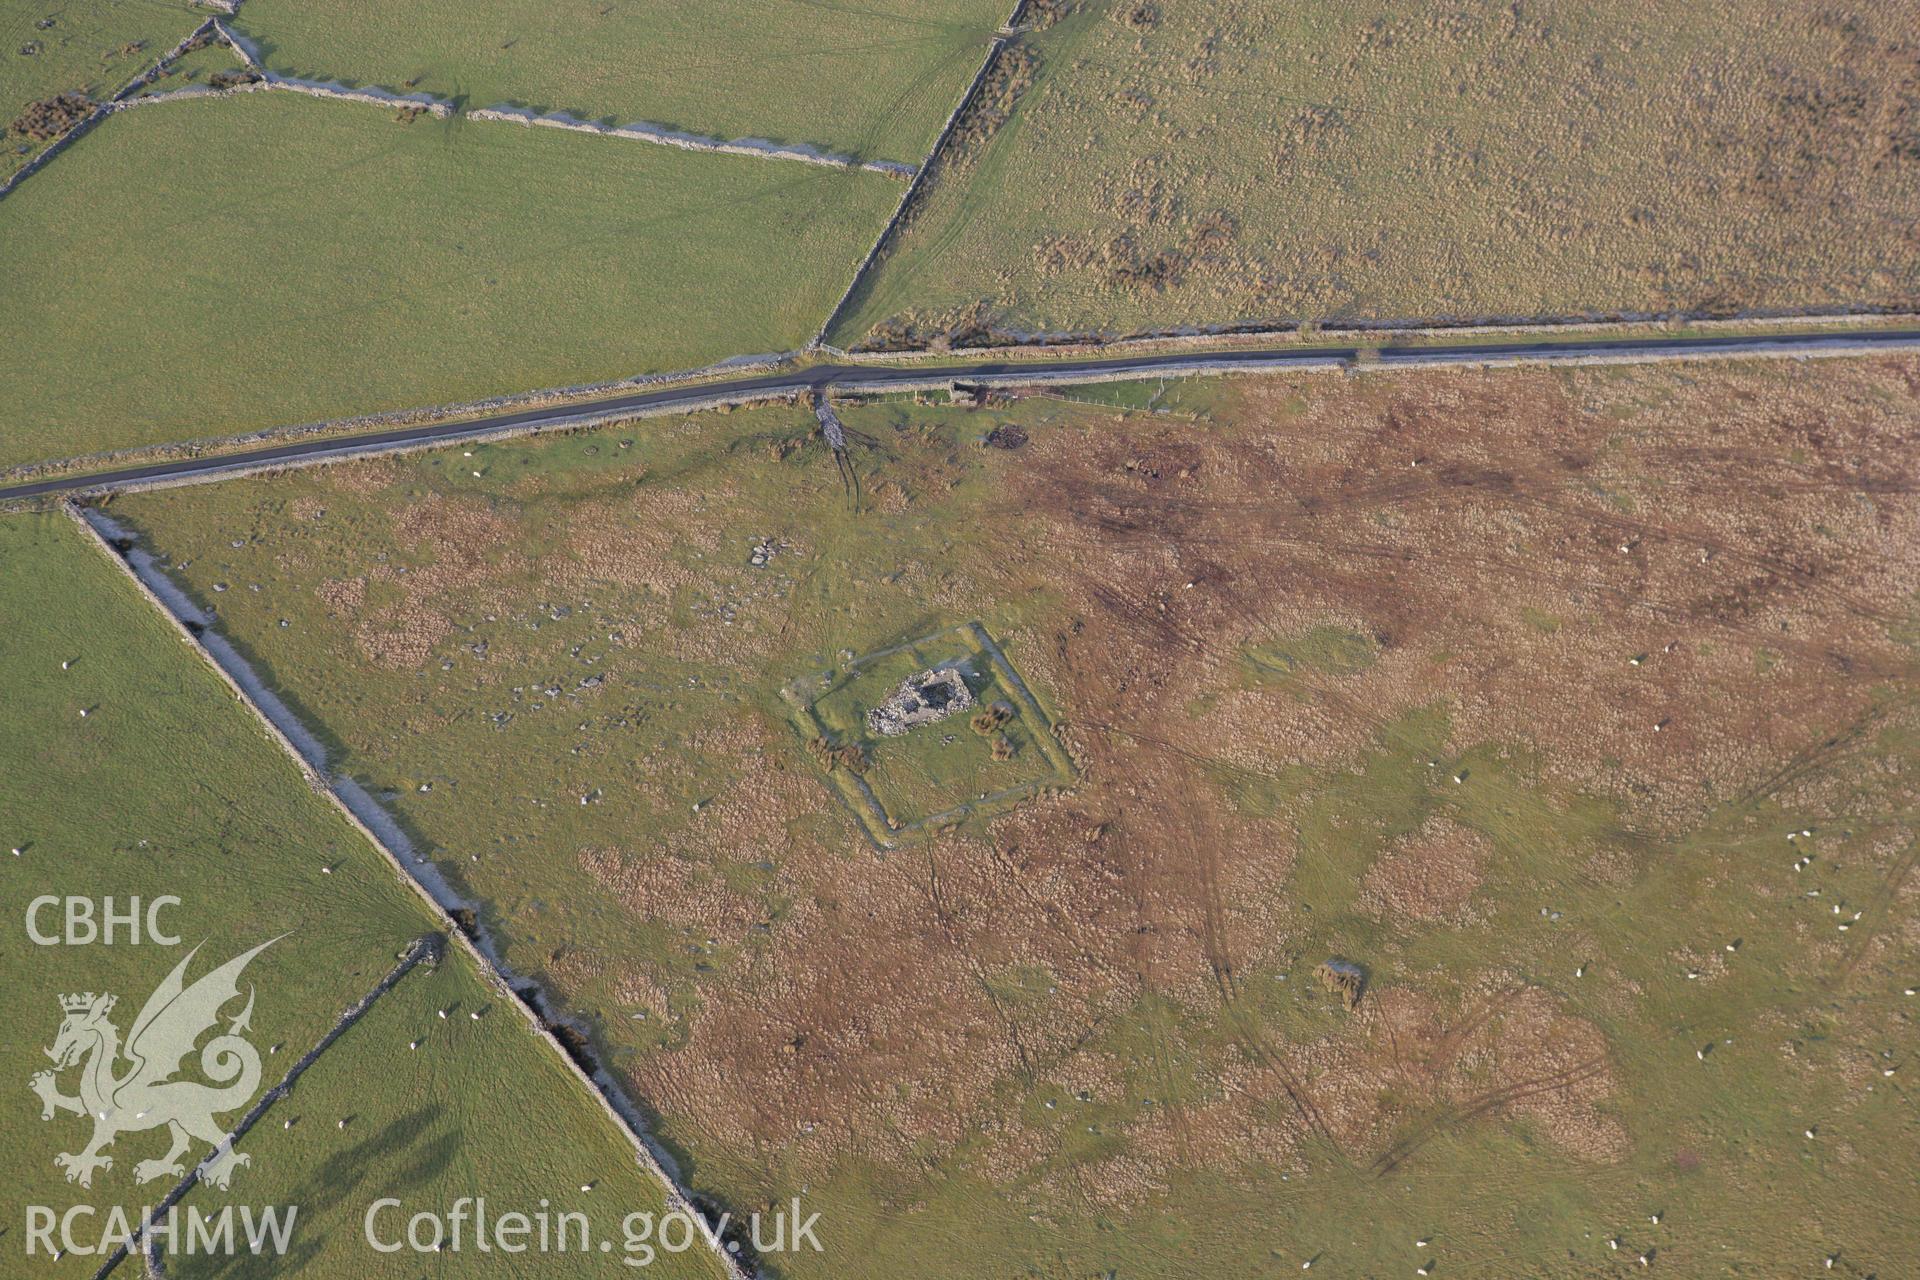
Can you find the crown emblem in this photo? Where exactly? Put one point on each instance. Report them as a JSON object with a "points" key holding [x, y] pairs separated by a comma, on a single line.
{"points": [[147, 1095]]}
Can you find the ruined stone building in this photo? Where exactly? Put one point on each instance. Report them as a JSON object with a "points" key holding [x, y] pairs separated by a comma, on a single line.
{"points": [[921, 699]]}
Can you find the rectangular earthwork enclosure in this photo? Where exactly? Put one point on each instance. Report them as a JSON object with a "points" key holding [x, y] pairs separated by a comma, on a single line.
{"points": [[986, 757]]}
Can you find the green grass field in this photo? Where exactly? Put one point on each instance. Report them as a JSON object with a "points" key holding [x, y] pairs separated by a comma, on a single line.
{"points": [[196, 67], [92, 49], [1209, 163], [478, 1109], [271, 259], [1086, 1035], [168, 787], [875, 81]]}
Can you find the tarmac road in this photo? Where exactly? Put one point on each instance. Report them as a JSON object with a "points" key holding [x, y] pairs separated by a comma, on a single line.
{"points": [[1028, 372]]}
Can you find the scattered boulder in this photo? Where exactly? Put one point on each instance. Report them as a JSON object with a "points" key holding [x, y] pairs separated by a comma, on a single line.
{"points": [[1344, 978]]}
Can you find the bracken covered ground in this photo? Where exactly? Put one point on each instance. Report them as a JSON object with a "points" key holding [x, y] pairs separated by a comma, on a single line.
{"points": [[1218, 162], [1508, 687]]}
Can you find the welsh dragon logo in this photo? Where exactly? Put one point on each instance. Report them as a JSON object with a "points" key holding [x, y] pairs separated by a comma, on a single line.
{"points": [[142, 1093]]}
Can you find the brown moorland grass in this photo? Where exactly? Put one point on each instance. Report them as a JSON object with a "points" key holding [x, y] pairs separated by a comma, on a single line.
{"points": [[1507, 686], [1225, 162]]}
